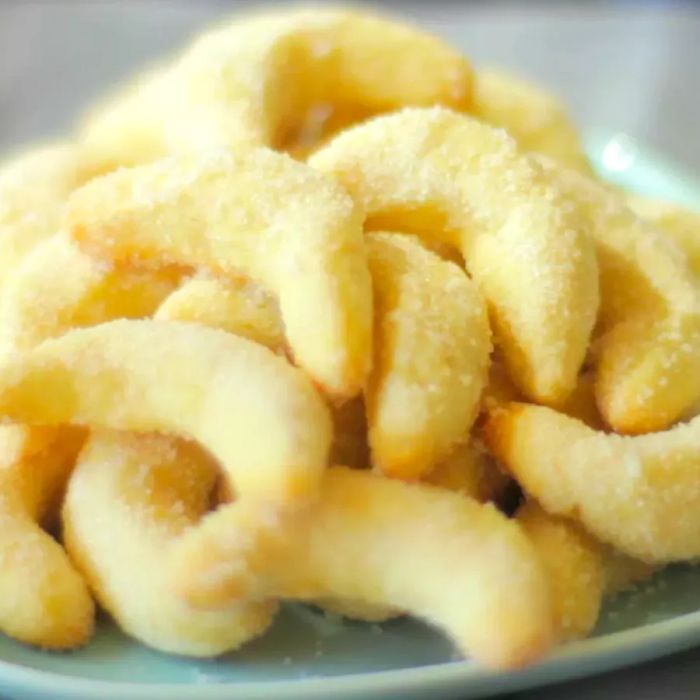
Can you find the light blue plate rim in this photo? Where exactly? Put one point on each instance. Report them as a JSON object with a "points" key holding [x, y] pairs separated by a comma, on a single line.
{"points": [[617, 154], [594, 655]]}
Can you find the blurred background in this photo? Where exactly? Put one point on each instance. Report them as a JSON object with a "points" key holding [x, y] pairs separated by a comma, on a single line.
{"points": [[630, 66]]}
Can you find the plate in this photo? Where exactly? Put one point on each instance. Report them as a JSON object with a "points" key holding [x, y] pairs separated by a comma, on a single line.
{"points": [[309, 656]]}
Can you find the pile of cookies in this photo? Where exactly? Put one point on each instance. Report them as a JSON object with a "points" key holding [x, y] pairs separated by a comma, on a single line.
{"points": [[316, 311]]}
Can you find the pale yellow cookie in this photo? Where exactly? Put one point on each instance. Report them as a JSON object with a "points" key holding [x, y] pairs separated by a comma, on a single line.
{"points": [[129, 499], [638, 494], [441, 556], [184, 379], [450, 177], [257, 213]]}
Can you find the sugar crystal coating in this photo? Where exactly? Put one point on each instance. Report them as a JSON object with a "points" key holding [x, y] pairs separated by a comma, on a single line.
{"points": [[431, 360], [237, 240], [647, 343], [254, 213], [468, 569], [183, 379], [639, 494], [449, 177], [130, 498]]}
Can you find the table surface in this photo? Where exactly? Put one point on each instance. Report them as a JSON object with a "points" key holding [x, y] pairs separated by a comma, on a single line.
{"points": [[628, 66]]}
